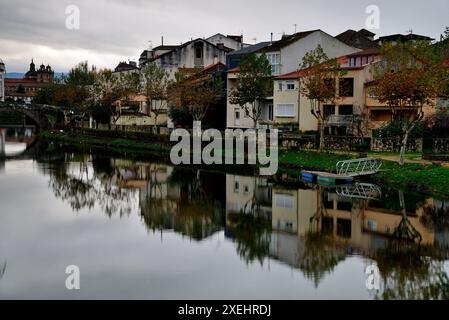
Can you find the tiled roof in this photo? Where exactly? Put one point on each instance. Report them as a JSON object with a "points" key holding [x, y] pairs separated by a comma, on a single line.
{"points": [[287, 41], [372, 51], [404, 38], [20, 81], [291, 75], [185, 45], [299, 73], [234, 70], [166, 47], [358, 39]]}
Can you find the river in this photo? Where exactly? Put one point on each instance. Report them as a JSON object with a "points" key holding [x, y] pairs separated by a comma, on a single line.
{"points": [[148, 230]]}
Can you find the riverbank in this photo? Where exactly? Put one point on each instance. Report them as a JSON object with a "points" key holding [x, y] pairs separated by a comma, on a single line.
{"points": [[429, 179]]}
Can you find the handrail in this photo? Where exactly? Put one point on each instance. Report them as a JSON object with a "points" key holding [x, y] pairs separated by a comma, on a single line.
{"points": [[365, 191], [358, 167]]}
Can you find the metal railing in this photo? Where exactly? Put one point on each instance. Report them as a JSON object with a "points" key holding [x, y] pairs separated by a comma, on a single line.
{"points": [[359, 167], [340, 119], [365, 191]]}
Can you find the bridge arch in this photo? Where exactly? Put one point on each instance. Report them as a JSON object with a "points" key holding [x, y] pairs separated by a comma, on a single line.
{"points": [[37, 113]]}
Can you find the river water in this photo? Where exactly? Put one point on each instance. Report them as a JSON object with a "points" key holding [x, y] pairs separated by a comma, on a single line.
{"points": [[142, 229]]}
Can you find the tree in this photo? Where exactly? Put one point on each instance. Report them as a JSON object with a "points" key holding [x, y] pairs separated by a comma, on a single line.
{"points": [[79, 89], [254, 84], [111, 87], [318, 84], [196, 93], [410, 76], [154, 85]]}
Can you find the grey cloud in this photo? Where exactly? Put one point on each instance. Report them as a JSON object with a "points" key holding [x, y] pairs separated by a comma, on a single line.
{"points": [[123, 28]]}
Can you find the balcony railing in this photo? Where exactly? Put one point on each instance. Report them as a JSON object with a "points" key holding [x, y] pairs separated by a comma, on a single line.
{"points": [[340, 119]]}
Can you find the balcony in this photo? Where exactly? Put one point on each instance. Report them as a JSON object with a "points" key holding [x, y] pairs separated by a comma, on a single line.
{"points": [[340, 119]]}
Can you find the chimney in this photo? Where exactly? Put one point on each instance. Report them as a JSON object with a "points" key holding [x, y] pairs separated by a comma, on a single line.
{"points": [[162, 41], [271, 41]]}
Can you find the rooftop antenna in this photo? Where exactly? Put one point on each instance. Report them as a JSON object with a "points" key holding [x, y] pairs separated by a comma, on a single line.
{"points": [[295, 26], [410, 31]]}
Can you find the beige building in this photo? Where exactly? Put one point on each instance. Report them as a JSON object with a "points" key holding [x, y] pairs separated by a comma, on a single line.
{"points": [[293, 108], [136, 112], [354, 102]]}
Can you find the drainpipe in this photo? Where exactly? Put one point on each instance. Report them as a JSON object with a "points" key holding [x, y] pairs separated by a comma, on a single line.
{"points": [[299, 104]]}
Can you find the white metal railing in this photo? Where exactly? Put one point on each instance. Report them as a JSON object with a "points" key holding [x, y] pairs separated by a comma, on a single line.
{"points": [[359, 167], [340, 119], [365, 191]]}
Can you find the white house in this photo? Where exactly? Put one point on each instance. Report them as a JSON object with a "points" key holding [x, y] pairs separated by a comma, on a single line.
{"points": [[198, 53], [285, 56], [229, 41]]}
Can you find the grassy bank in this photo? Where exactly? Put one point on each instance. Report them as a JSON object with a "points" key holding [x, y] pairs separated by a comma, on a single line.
{"points": [[429, 179], [113, 144]]}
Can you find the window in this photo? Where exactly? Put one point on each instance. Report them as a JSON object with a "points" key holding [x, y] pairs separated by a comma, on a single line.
{"points": [[284, 201], [270, 112], [290, 85], [236, 185], [346, 87], [246, 189], [198, 52], [289, 226], [275, 61], [372, 225], [344, 228], [285, 110], [345, 110], [280, 85], [352, 61], [328, 110]]}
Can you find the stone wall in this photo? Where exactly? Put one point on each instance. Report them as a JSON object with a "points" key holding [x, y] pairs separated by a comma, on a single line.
{"points": [[394, 145]]}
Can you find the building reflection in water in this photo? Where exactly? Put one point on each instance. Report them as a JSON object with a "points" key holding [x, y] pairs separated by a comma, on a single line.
{"points": [[310, 228]]}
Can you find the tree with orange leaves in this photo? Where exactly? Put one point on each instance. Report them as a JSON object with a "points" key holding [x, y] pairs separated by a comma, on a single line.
{"points": [[409, 76], [318, 84], [195, 93]]}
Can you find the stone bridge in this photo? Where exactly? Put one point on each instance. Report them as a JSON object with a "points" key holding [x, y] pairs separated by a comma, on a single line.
{"points": [[37, 112]]}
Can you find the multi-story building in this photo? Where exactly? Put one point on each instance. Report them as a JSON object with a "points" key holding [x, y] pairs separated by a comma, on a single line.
{"points": [[231, 42], [285, 57], [193, 55]]}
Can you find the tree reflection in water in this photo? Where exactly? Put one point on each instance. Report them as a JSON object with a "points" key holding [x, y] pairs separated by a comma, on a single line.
{"points": [[83, 188], [320, 256], [183, 201], [252, 234], [180, 202], [411, 271], [2, 270]]}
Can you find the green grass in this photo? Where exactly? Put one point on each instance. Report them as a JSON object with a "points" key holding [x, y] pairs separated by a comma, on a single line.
{"points": [[118, 145], [429, 179], [311, 160]]}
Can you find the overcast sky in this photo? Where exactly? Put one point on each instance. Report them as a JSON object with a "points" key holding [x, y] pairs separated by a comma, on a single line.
{"points": [[113, 30]]}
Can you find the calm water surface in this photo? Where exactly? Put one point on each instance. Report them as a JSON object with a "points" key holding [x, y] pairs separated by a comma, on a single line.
{"points": [[149, 230]]}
